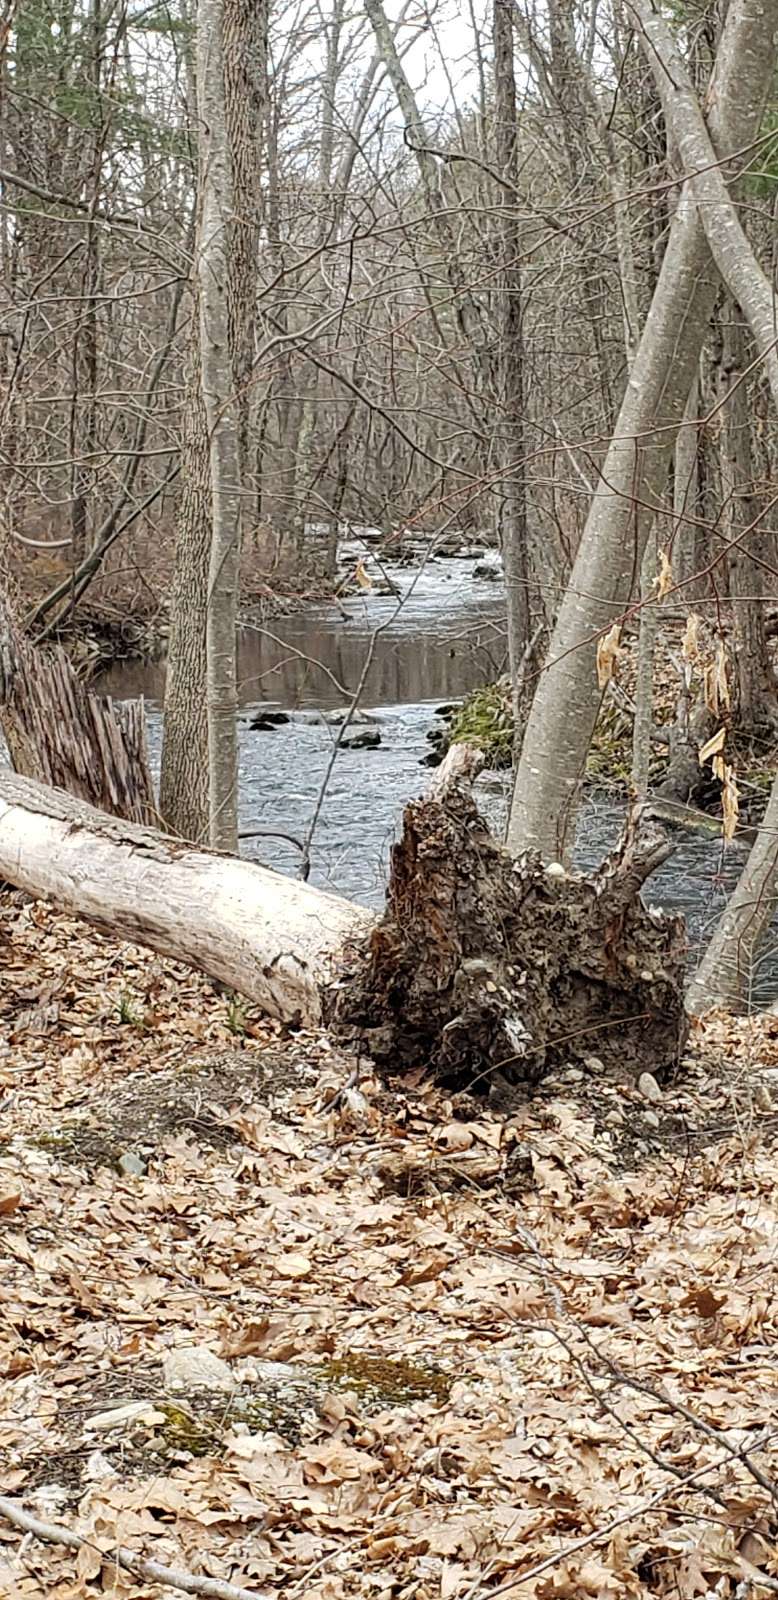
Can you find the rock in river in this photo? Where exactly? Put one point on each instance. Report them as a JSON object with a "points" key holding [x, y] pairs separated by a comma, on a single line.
{"points": [[265, 720]]}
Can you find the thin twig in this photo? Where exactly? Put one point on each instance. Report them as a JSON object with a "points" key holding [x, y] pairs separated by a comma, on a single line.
{"points": [[152, 1571]]}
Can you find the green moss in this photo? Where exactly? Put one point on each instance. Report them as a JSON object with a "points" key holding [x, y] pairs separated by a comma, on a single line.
{"points": [[183, 1431], [64, 1139], [386, 1381], [485, 719]]}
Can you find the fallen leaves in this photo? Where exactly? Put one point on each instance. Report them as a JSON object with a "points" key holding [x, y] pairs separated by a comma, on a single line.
{"points": [[437, 1384]]}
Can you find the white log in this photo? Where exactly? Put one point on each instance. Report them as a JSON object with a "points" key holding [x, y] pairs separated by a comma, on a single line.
{"points": [[273, 939]]}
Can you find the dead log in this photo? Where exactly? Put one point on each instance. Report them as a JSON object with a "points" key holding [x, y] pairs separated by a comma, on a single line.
{"points": [[481, 968], [266, 936]]}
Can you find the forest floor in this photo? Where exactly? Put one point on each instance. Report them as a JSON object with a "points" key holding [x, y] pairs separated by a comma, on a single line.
{"points": [[466, 1354]]}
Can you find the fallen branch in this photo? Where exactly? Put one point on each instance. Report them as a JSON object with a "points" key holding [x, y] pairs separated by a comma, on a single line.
{"points": [[138, 1566]]}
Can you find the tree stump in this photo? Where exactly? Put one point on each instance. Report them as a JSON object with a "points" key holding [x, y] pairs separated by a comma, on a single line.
{"points": [[484, 966]]}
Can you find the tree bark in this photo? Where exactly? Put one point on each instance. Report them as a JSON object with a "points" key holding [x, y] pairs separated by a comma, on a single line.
{"points": [[726, 973], [756, 700], [510, 318], [213, 257], [634, 474], [183, 790], [729, 246]]}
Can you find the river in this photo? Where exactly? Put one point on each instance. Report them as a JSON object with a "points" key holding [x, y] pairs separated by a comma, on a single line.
{"points": [[441, 635]]}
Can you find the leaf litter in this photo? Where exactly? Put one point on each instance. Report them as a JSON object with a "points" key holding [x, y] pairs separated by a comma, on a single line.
{"points": [[476, 1349]]}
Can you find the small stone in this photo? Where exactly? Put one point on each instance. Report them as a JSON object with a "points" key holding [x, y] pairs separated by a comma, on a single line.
{"points": [[615, 1119], [98, 1467], [649, 1088], [555, 870], [594, 1065], [763, 1098], [571, 1075], [131, 1165], [368, 739], [265, 721], [194, 1366], [650, 1119]]}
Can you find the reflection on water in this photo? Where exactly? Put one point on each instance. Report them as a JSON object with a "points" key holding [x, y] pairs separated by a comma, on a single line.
{"points": [[446, 639], [441, 637]]}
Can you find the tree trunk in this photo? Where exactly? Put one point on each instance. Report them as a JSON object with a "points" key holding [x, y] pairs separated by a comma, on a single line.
{"points": [[449, 976], [643, 725], [687, 541], [183, 790], [634, 474], [756, 701], [213, 270], [513, 518], [726, 973], [729, 246]]}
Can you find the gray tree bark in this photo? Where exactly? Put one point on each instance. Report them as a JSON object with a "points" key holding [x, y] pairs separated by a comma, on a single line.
{"points": [[217, 206], [634, 473], [510, 375], [726, 973]]}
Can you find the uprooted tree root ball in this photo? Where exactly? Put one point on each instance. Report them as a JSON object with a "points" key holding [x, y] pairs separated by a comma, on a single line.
{"points": [[484, 968]]}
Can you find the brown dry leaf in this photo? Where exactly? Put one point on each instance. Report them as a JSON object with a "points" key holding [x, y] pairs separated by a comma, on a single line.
{"points": [[664, 578], [607, 654], [703, 1301], [362, 577], [713, 746], [690, 647], [293, 1265], [441, 1277], [717, 695], [730, 797], [335, 1462], [10, 1200]]}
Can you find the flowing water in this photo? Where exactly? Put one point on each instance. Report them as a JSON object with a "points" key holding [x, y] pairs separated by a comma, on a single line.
{"points": [[441, 635]]}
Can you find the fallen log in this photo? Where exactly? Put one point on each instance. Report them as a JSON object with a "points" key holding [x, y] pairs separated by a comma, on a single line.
{"points": [[266, 936], [481, 969]]}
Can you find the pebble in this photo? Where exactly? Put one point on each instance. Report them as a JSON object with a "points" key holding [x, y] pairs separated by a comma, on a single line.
{"points": [[650, 1119], [194, 1366], [131, 1165], [649, 1088]]}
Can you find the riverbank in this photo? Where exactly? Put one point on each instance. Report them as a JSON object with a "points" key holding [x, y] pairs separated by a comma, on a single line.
{"points": [[461, 1347]]}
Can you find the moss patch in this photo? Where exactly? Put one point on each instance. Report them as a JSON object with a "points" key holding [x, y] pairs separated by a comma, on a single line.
{"points": [[386, 1381], [485, 719]]}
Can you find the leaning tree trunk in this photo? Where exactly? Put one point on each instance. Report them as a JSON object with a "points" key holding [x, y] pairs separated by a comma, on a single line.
{"points": [[725, 976], [634, 473], [451, 975]]}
